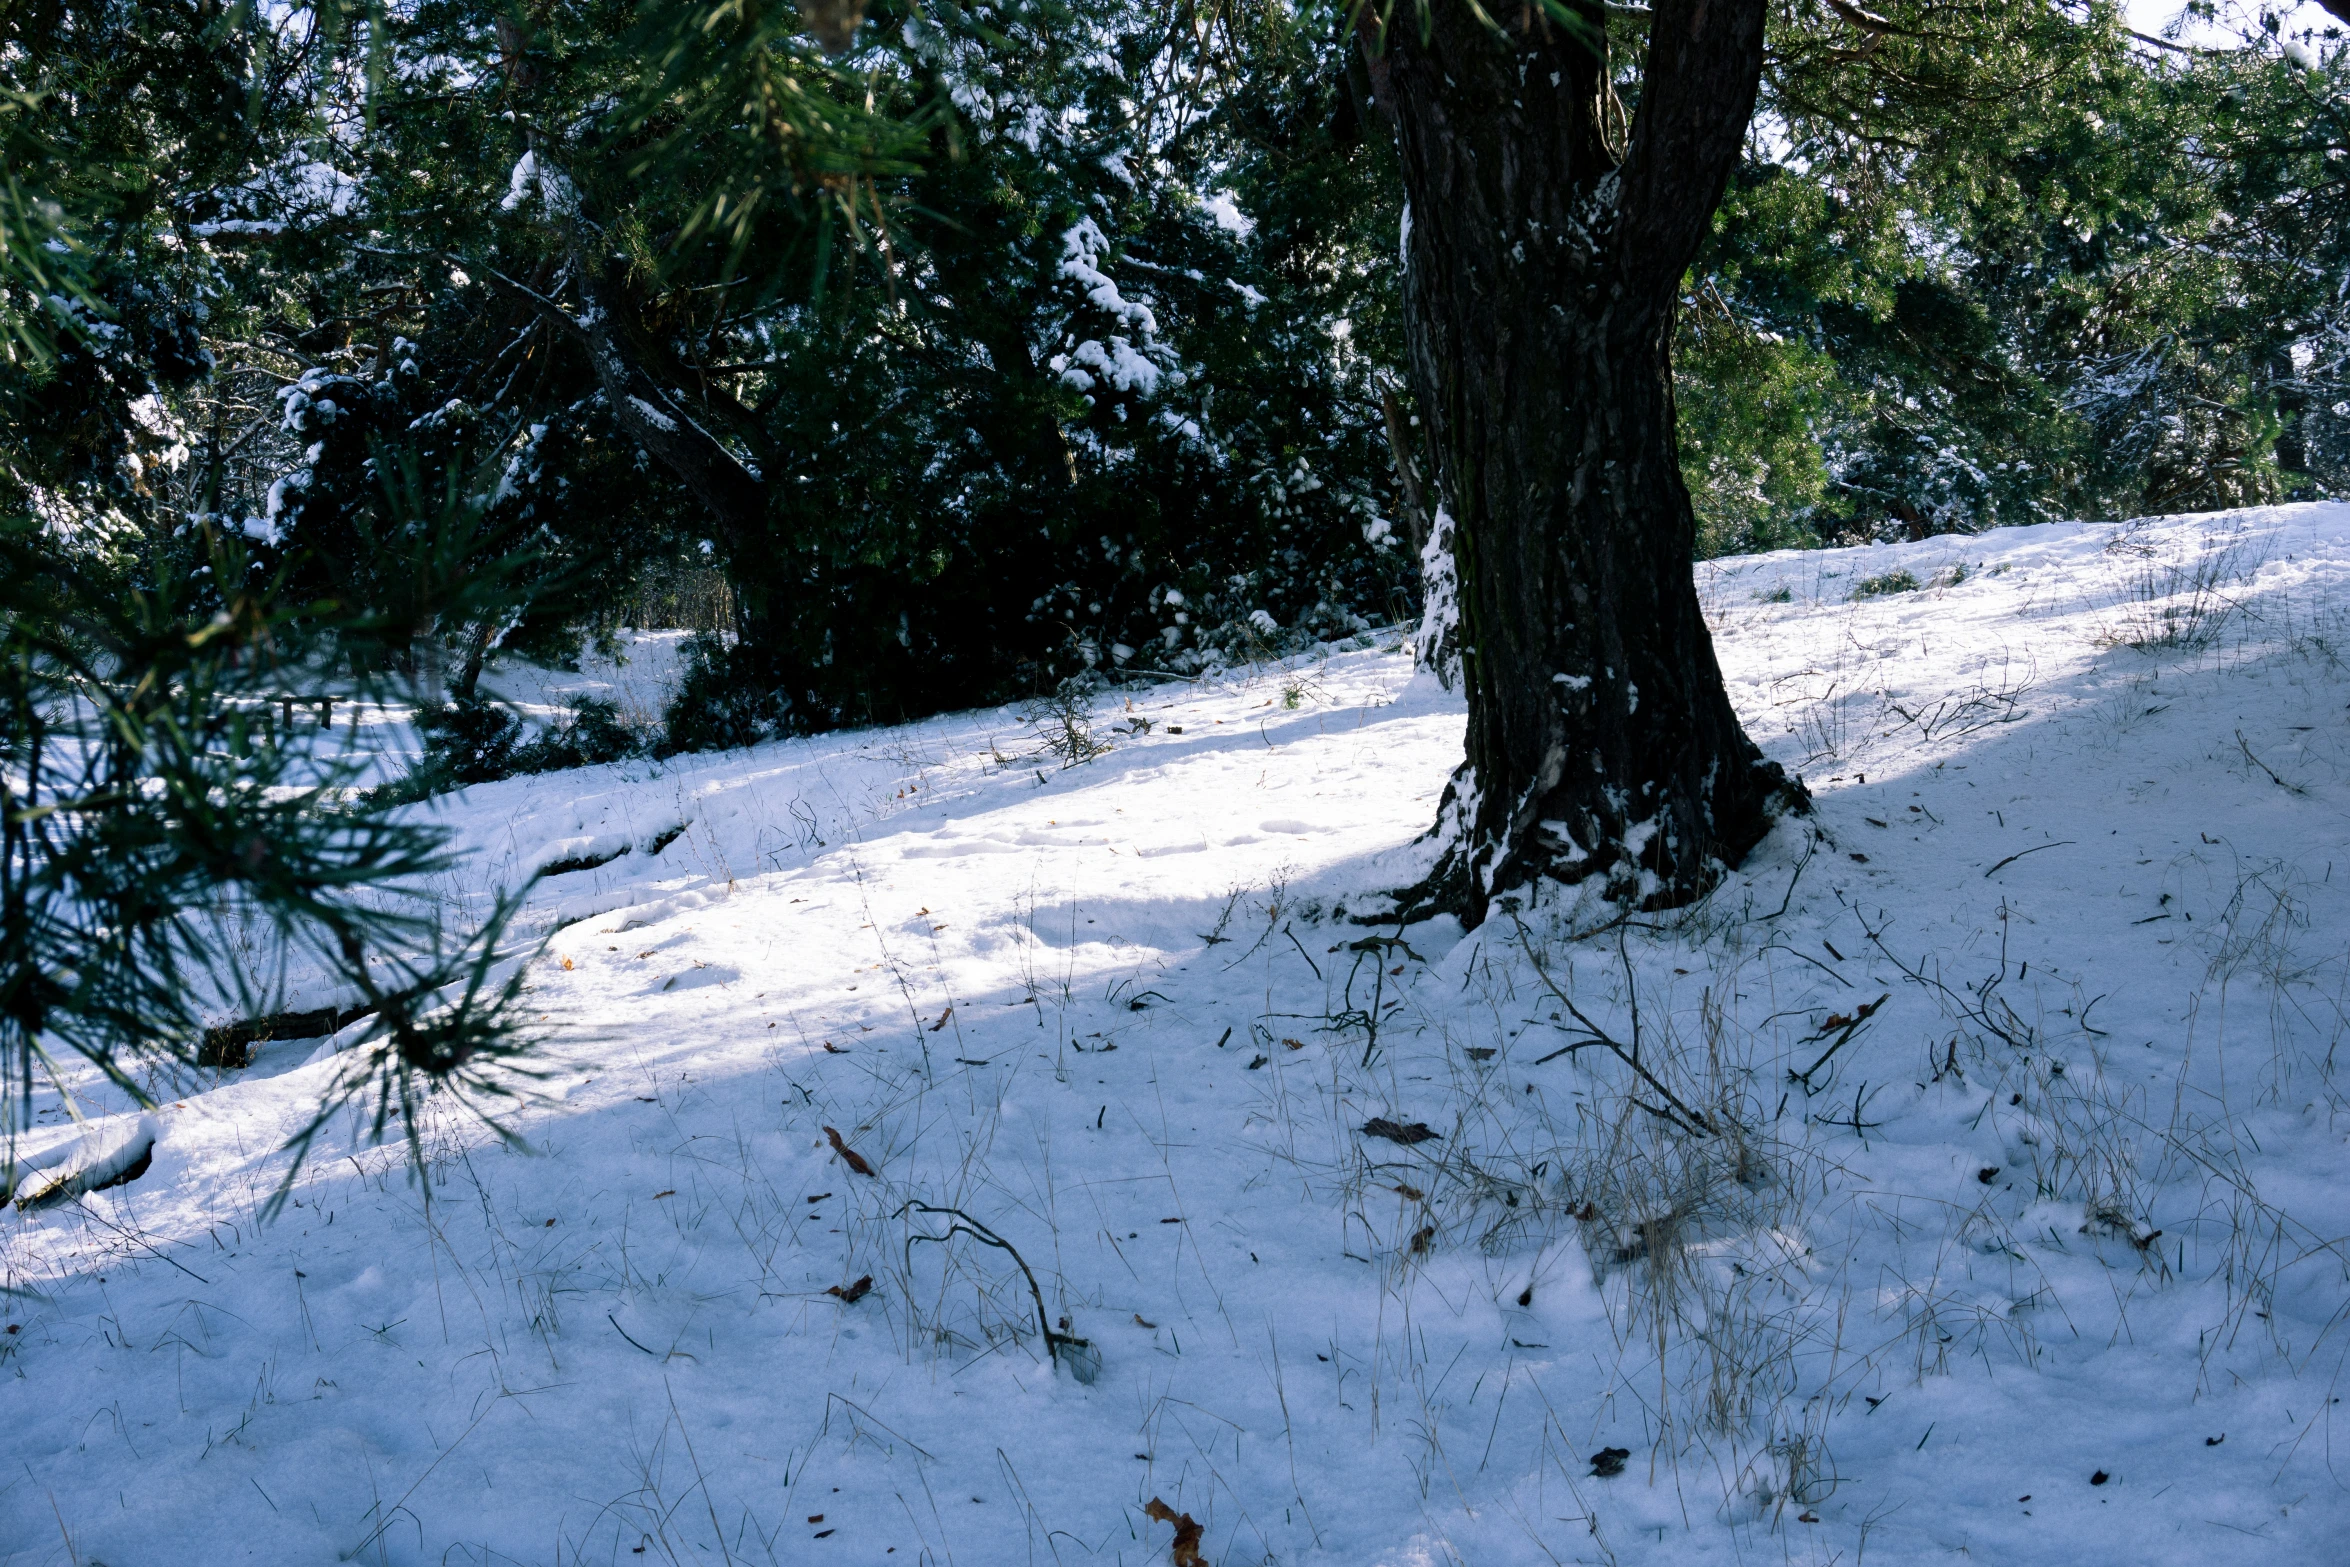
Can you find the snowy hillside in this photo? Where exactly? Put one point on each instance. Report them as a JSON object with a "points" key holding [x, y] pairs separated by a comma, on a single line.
{"points": [[1968, 1176]]}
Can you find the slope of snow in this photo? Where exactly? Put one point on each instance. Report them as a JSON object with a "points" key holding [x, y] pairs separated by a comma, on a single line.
{"points": [[2020, 1234]]}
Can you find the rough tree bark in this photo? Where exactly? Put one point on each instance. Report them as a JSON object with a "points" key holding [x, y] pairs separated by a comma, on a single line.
{"points": [[1542, 271]]}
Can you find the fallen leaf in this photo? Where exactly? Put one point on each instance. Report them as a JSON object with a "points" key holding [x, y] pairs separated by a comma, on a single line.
{"points": [[1138, 1322], [849, 1296], [1479, 1053], [848, 1156], [829, 1047], [1397, 1132], [815, 1518], [2099, 1478], [1413, 1192], [1609, 1461], [1421, 1240], [566, 965], [1186, 1549], [1807, 1516], [1295, 1044], [942, 1020], [657, 1196], [820, 1196]]}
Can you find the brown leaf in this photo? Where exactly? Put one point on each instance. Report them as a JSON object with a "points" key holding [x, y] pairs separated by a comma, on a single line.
{"points": [[848, 1156], [829, 1047], [1295, 1044], [657, 1196], [942, 1020], [1421, 1240], [850, 1295], [566, 965], [1187, 1533], [1397, 1132], [1413, 1192], [1138, 1322]]}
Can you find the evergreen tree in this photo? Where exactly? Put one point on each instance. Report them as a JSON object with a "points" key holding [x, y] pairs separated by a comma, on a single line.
{"points": [[150, 799]]}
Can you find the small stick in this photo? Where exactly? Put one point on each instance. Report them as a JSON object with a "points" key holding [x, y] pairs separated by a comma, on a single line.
{"points": [[1860, 1016], [2061, 843], [2264, 767], [966, 1225], [1599, 1036]]}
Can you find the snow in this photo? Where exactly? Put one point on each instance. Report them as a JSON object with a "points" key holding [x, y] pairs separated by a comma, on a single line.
{"points": [[1224, 208], [2022, 1238], [1082, 246], [653, 416], [558, 196]]}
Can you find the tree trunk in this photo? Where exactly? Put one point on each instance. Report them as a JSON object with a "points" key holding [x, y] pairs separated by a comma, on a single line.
{"points": [[1542, 270], [477, 652], [1407, 476]]}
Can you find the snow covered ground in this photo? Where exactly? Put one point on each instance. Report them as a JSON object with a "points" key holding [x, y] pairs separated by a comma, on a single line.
{"points": [[2020, 1232]]}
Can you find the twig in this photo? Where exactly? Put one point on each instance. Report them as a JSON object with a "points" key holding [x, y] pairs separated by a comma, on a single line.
{"points": [[966, 1225], [2264, 767], [1692, 1120], [1811, 847], [1860, 1128], [623, 1332], [1977, 1014], [1814, 962], [1302, 952], [2061, 843], [1852, 1026]]}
